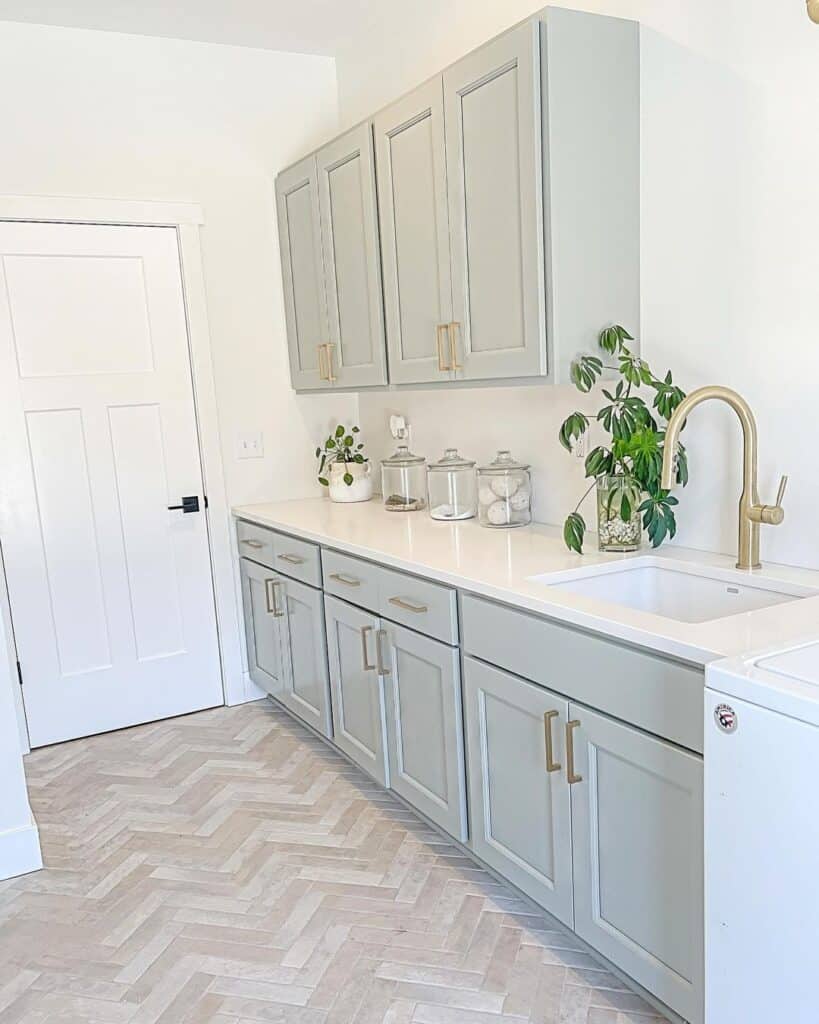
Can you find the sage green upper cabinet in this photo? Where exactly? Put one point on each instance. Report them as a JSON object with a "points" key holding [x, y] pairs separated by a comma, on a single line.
{"points": [[352, 263], [494, 153], [412, 182], [305, 302]]}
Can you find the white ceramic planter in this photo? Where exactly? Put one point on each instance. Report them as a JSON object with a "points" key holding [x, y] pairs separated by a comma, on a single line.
{"points": [[361, 489]]}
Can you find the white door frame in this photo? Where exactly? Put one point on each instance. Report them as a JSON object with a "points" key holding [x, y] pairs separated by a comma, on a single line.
{"points": [[186, 218]]}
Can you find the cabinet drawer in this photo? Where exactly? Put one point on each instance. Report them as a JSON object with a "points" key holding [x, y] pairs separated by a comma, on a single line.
{"points": [[256, 543], [352, 579], [297, 558], [663, 697], [427, 607]]}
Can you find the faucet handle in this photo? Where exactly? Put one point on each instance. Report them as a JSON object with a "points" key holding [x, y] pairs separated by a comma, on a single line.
{"points": [[780, 494], [772, 515]]}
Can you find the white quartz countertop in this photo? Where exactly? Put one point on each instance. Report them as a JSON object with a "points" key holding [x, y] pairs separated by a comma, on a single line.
{"points": [[497, 563]]}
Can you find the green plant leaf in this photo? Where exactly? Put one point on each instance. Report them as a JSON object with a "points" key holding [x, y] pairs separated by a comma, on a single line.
{"points": [[572, 428], [359, 459], [625, 508], [324, 481], [330, 443], [574, 530], [348, 479], [599, 461], [340, 431], [348, 441], [356, 430], [585, 372], [318, 452]]}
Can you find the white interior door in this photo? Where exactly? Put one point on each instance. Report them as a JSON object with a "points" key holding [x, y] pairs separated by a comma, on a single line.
{"points": [[111, 592]]}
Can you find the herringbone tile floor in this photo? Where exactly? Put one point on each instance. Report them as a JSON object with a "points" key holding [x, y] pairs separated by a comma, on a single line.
{"points": [[228, 868]]}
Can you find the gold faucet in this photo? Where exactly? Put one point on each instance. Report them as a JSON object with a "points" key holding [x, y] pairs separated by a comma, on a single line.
{"points": [[751, 513]]}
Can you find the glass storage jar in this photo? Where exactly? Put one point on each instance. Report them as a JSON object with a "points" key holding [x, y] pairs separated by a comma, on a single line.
{"points": [[504, 492], [403, 481], [452, 488]]}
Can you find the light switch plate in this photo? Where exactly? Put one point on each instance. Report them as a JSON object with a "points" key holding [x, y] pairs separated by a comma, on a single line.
{"points": [[250, 446]]}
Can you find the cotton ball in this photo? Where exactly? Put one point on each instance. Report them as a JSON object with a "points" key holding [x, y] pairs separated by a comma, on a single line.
{"points": [[486, 496], [498, 514], [504, 486], [520, 500]]}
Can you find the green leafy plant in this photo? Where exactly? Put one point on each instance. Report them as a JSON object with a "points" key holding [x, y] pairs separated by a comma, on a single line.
{"points": [[341, 446], [636, 428]]}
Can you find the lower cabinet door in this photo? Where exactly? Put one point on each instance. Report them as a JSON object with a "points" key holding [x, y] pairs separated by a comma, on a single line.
{"points": [[264, 611], [519, 802], [307, 687], [425, 725], [638, 857], [356, 687]]}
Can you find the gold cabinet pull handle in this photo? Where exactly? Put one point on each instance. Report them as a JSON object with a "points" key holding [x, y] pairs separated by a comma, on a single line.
{"points": [[571, 776], [452, 330], [365, 630], [443, 366], [551, 764], [408, 606], [328, 348], [273, 607], [348, 581], [379, 636], [321, 370], [292, 559], [255, 544]]}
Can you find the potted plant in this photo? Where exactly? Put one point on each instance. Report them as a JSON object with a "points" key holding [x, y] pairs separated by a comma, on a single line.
{"points": [[343, 468], [626, 470]]}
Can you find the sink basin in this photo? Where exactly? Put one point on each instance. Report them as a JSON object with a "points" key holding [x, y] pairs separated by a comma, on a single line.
{"points": [[682, 591]]}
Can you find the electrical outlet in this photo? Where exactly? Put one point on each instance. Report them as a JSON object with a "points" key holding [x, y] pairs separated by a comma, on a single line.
{"points": [[250, 446], [581, 446]]}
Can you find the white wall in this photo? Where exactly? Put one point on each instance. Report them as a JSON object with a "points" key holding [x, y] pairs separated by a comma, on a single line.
{"points": [[729, 208]]}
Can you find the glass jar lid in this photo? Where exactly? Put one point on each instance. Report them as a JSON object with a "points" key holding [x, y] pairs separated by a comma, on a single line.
{"points": [[503, 463], [402, 456], [452, 459]]}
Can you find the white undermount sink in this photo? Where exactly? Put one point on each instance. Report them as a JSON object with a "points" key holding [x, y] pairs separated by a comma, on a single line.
{"points": [[684, 592]]}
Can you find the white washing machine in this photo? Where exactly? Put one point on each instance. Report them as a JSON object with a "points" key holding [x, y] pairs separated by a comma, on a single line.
{"points": [[762, 839]]}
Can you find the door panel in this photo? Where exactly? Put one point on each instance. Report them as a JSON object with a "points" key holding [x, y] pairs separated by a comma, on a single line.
{"points": [[494, 164], [411, 167], [111, 593], [638, 857], [519, 812], [266, 650], [306, 690], [357, 689], [425, 726], [305, 300], [352, 261]]}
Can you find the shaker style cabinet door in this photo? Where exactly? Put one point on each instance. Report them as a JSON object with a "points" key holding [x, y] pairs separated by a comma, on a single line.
{"points": [[494, 181], [425, 725], [352, 262], [307, 688], [638, 857], [411, 170], [519, 803], [264, 612], [305, 302], [356, 686]]}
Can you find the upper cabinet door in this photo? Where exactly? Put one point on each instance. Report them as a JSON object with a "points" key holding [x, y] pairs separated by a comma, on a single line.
{"points": [[352, 263], [494, 165], [305, 302], [411, 168]]}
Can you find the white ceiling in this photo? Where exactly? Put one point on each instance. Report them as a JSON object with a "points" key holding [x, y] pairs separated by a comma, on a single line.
{"points": [[300, 26]]}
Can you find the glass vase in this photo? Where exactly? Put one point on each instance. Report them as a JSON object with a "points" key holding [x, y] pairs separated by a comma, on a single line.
{"points": [[618, 521]]}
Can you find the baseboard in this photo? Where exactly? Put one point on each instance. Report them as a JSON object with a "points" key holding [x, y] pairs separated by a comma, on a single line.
{"points": [[242, 691], [20, 851]]}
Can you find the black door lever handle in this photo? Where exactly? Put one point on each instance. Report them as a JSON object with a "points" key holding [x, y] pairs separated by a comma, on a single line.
{"points": [[189, 504]]}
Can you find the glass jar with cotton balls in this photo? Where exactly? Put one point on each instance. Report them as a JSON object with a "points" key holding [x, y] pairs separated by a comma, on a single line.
{"points": [[504, 492]]}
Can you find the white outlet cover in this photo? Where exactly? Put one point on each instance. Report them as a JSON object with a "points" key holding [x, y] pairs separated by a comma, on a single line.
{"points": [[250, 446]]}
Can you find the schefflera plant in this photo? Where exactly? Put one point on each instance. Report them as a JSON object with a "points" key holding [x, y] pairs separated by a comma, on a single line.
{"points": [[637, 435]]}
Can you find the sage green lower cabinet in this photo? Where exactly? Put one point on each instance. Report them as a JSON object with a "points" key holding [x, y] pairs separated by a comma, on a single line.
{"points": [[307, 689], [637, 819], [425, 725], [263, 618], [356, 686], [520, 813]]}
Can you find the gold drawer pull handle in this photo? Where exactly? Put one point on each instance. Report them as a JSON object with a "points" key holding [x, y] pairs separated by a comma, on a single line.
{"points": [[273, 607], [331, 377], [443, 366], [551, 764], [365, 657], [255, 544], [408, 606], [348, 581], [571, 776], [292, 559], [379, 636], [453, 345]]}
